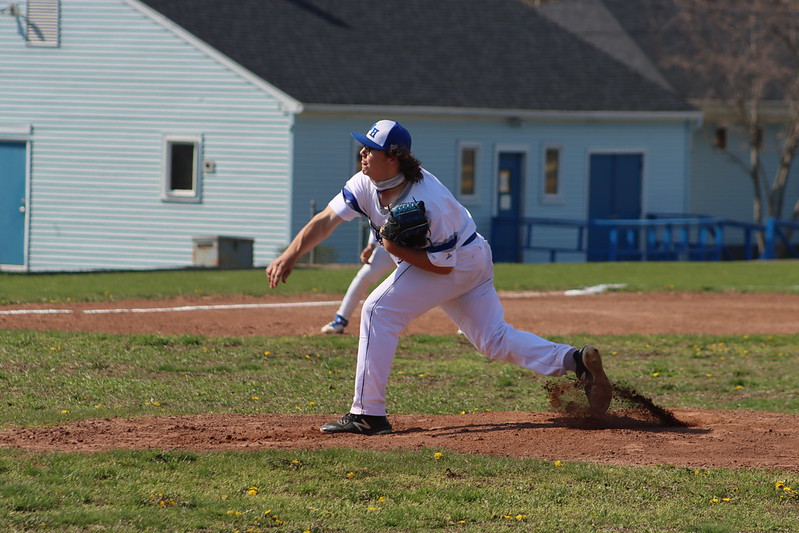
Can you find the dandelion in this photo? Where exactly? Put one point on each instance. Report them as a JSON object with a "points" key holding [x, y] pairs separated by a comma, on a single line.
{"points": [[350, 475], [267, 352], [255, 398], [520, 517], [161, 500], [311, 404], [233, 512], [655, 374], [714, 500], [558, 463], [708, 375], [64, 411], [381, 499], [252, 491], [437, 456], [372, 509]]}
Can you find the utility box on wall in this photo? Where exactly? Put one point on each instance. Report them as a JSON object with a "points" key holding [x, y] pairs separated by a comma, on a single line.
{"points": [[218, 251]]}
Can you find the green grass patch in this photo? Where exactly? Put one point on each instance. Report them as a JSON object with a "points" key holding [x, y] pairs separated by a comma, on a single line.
{"points": [[51, 377], [740, 276], [358, 491]]}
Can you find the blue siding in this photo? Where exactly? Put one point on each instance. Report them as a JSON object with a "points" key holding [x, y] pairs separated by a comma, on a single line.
{"points": [[99, 106], [324, 162]]}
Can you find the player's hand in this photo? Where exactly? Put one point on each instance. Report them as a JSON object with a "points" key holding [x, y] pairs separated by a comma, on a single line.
{"points": [[366, 253], [279, 270]]}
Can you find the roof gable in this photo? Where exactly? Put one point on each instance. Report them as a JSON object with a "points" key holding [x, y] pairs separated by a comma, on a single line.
{"points": [[481, 54]]}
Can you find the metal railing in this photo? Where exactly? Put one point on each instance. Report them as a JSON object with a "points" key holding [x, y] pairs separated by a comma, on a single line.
{"points": [[659, 237]]}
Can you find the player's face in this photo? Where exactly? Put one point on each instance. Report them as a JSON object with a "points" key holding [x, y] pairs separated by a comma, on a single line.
{"points": [[377, 165]]}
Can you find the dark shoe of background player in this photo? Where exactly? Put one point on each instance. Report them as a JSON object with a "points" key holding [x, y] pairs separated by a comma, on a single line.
{"points": [[597, 385], [363, 424]]}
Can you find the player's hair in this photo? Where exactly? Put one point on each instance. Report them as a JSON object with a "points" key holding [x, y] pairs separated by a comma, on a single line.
{"points": [[409, 165]]}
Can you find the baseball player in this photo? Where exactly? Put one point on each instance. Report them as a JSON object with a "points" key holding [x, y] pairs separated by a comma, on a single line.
{"points": [[453, 271], [376, 263]]}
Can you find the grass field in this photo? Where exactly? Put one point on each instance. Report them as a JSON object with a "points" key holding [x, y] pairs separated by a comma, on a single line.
{"points": [[744, 276], [49, 377]]}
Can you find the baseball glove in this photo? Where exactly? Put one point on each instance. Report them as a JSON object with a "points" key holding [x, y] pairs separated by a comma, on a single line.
{"points": [[407, 225]]}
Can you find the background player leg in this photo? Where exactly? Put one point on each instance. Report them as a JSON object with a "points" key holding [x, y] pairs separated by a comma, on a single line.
{"points": [[370, 273]]}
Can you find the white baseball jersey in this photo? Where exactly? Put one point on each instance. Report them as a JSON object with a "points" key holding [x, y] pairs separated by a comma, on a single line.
{"points": [[451, 224], [466, 294]]}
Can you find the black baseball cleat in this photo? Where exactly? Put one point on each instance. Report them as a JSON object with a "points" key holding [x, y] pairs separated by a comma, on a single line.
{"points": [[597, 385], [363, 424]]}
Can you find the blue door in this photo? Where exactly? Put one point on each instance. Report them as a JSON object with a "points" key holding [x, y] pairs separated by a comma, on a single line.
{"points": [[506, 233], [614, 193], [12, 203]]}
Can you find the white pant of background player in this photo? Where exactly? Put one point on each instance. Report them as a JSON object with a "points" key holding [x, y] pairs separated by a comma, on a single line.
{"points": [[476, 310], [379, 265]]}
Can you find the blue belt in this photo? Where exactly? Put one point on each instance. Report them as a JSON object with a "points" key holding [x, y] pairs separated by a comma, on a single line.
{"points": [[472, 237]]}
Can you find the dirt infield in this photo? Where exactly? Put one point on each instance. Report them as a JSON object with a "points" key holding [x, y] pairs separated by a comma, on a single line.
{"points": [[734, 439]]}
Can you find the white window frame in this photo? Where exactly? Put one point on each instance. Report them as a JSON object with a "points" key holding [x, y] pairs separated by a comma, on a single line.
{"points": [[168, 194], [544, 196], [474, 198]]}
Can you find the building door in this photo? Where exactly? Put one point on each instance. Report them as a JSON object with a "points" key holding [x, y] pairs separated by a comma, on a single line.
{"points": [[614, 193], [13, 203], [506, 232]]}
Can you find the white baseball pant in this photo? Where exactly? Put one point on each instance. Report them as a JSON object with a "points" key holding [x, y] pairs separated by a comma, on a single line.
{"points": [[468, 296]]}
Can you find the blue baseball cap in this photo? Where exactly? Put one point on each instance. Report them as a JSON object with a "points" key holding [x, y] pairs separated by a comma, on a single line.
{"points": [[383, 134]]}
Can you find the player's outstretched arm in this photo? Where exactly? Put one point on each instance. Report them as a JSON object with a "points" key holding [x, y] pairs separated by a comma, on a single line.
{"points": [[315, 231], [415, 256]]}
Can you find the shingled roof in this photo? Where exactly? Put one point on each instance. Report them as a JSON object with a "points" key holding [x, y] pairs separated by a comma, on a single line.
{"points": [[476, 54]]}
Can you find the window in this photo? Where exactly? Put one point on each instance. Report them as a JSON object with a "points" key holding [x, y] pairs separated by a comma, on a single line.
{"points": [[42, 20], [551, 182], [181, 180], [467, 185]]}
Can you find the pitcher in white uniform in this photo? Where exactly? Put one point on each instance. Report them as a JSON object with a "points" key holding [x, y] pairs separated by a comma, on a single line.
{"points": [[454, 272]]}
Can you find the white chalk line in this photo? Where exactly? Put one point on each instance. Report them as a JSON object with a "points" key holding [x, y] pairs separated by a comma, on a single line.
{"points": [[36, 312], [596, 289], [179, 309]]}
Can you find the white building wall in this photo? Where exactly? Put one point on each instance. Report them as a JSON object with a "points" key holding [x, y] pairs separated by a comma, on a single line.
{"points": [[99, 106]]}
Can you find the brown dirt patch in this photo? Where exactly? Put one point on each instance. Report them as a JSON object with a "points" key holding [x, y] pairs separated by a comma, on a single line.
{"points": [[734, 439]]}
